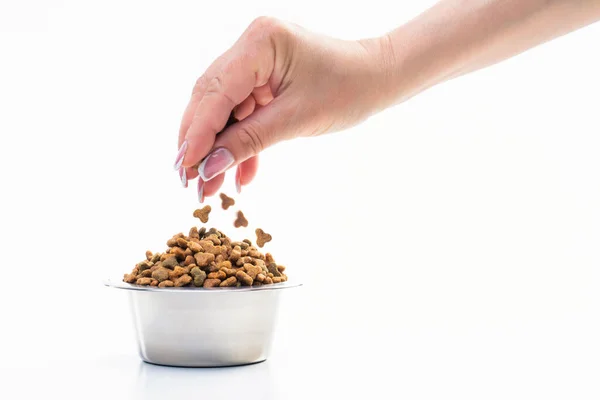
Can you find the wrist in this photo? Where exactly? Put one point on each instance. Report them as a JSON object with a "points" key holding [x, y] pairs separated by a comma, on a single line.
{"points": [[407, 63], [383, 65]]}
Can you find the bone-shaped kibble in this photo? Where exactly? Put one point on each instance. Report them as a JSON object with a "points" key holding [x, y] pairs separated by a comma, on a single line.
{"points": [[262, 237], [202, 213], [194, 233], [241, 220], [226, 201]]}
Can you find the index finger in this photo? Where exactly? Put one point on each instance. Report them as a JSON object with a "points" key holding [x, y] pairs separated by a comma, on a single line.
{"points": [[196, 96]]}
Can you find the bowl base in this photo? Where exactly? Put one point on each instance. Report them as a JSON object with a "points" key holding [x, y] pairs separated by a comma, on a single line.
{"points": [[224, 365]]}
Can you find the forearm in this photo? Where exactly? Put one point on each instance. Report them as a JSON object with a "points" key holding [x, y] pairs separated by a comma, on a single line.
{"points": [[455, 37]]}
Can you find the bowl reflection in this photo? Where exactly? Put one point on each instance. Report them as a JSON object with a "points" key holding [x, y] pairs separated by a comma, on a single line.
{"points": [[161, 382]]}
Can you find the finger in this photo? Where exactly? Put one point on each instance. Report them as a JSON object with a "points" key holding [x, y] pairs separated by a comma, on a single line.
{"points": [[232, 84], [245, 172], [186, 175], [186, 120], [245, 108], [212, 187], [197, 94], [263, 94], [192, 173], [249, 170], [248, 138]]}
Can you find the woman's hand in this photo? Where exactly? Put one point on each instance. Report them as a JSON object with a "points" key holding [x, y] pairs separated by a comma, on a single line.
{"points": [[280, 82]]}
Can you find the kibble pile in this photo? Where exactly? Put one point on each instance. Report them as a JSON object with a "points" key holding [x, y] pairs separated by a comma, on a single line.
{"points": [[208, 258]]}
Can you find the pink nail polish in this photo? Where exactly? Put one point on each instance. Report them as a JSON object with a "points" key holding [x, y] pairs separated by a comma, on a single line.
{"points": [[238, 179], [183, 177], [200, 190], [215, 163], [180, 155]]}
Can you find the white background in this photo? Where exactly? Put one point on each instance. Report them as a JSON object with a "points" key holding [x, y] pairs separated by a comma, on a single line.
{"points": [[449, 247]]}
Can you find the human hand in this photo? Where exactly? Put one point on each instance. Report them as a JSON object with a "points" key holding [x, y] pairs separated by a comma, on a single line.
{"points": [[280, 82]]}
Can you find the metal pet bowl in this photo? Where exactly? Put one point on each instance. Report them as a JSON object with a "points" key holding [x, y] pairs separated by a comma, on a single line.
{"points": [[197, 327]]}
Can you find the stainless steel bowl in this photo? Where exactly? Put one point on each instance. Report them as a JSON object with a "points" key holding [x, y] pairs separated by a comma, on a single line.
{"points": [[197, 327]]}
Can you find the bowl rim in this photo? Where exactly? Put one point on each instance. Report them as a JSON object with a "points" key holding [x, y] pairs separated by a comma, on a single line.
{"points": [[119, 284]]}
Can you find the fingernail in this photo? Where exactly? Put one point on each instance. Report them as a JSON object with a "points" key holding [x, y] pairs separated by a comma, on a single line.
{"points": [[215, 163], [200, 190], [183, 177], [238, 179], [180, 155]]}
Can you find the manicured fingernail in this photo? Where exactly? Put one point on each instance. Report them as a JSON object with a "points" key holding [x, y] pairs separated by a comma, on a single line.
{"points": [[238, 179], [200, 190], [183, 177], [180, 155], [215, 163]]}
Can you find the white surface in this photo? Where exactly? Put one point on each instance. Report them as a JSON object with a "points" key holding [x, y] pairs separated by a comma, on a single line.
{"points": [[451, 245]]}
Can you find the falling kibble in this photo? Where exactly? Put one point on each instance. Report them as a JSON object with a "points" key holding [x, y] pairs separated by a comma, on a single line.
{"points": [[240, 220], [262, 237], [226, 201], [202, 214]]}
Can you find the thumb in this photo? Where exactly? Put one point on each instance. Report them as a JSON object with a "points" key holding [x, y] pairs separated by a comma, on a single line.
{"points": [[263, 128]]}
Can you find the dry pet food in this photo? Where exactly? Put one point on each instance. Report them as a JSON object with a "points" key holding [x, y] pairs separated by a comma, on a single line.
{"points": [[240, 220], [262, 237], [208, 258], [202, 214], [226, 201]]}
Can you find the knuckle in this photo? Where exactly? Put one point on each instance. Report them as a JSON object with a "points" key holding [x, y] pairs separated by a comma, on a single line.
{"points": [[263, 23], [250, 138], [215, 85], [200, 85], [265, 26]]}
